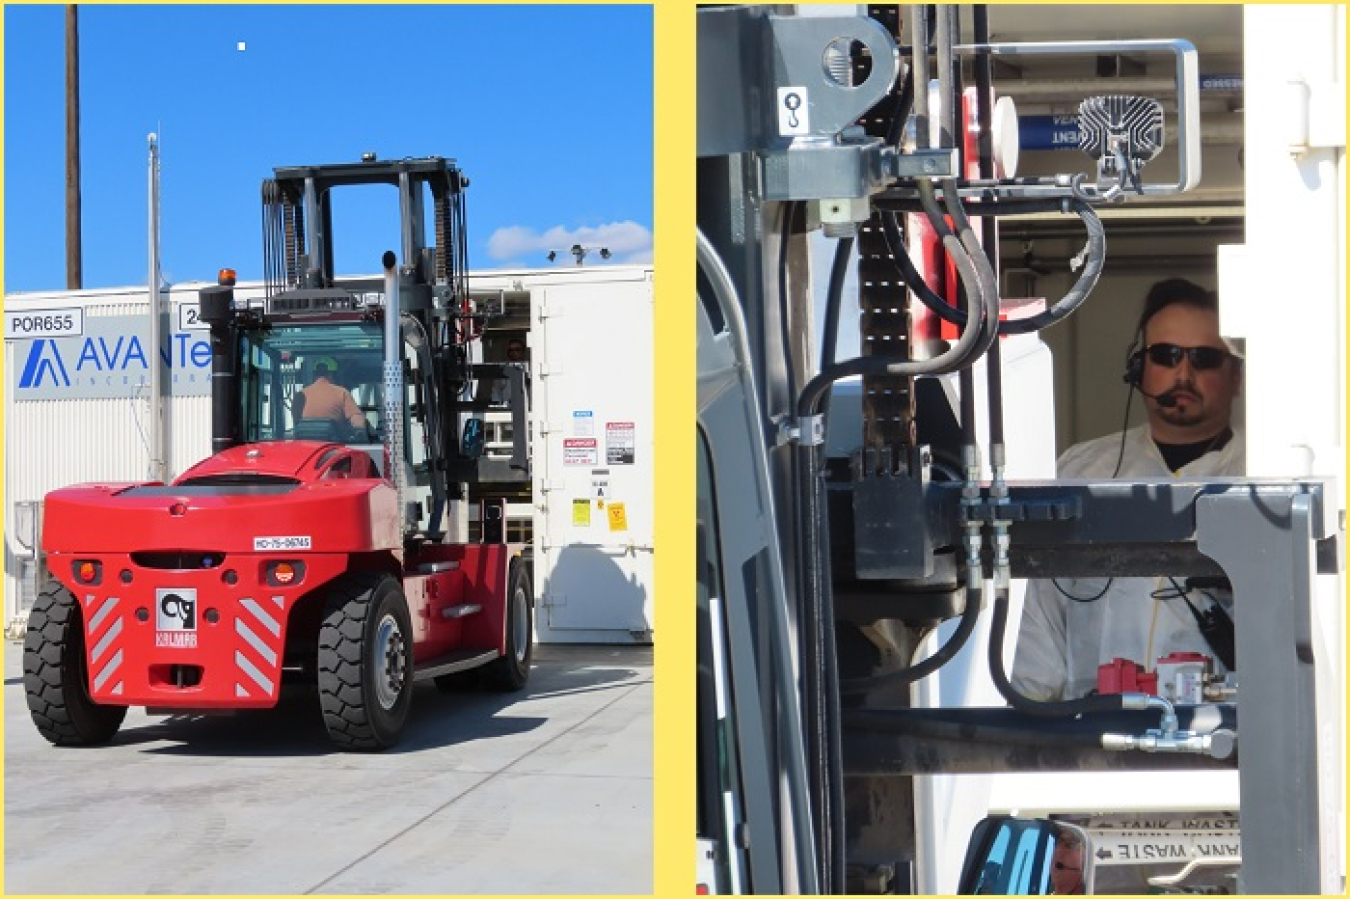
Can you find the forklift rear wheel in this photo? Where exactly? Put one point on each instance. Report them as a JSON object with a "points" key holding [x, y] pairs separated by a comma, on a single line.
{"points": [[511, 671], [56, 674], [365, 661]]}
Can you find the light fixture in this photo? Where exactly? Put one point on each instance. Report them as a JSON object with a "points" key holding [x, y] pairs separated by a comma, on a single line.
{"points": [[580, 252]]}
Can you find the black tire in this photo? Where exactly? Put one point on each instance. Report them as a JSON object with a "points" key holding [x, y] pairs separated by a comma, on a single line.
{"points": [[56, 675], [512, 671], [365, 661]]}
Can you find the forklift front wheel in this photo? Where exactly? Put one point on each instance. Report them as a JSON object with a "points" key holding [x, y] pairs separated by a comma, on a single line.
{"points": [[365, 661]]}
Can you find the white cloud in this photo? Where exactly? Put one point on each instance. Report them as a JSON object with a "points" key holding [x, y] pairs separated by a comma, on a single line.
{"points": [[628, 242]]}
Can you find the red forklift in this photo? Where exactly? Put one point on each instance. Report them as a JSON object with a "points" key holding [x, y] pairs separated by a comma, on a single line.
{"points": [[305, 550]]}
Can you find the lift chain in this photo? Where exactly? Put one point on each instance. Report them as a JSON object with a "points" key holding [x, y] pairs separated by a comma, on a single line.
{"points": [[885, 325]]}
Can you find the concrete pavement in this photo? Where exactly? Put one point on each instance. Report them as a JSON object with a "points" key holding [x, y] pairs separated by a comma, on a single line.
{"points": [[545, 791]]}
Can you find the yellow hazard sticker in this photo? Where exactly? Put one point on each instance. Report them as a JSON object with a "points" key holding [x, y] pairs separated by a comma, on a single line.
{"points": [[618, 519], [581, 513]]}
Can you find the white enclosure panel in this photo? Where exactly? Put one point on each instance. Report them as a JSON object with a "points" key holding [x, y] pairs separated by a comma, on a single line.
{"points": [[592, 346]]}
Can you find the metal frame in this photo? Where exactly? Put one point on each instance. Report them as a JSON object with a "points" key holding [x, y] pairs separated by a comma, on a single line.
{"points": [[1269, 537]]}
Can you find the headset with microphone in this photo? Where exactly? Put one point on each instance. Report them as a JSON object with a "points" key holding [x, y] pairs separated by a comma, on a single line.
{"points": [[1134, 373]]}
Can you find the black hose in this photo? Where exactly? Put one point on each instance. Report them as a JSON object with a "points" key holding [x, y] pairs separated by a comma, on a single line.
{"points": [[896, 131], [790, 213], [961, 353], [993, 369], [895, 242], [978, 254], [834, 302], [820, 674], [997, 628], [912, 723], [984, 115], [853, 686], [1087, 279], [987, 206]]}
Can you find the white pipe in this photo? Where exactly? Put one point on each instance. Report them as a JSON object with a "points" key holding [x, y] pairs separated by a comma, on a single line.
{"points": [[156, 448]]}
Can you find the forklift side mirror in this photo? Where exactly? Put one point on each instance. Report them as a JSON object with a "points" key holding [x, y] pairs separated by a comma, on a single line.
{"points": [[1010, 856]]}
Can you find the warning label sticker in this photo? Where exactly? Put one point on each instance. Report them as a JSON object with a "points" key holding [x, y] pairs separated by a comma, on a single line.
{"points": [[581, 451], [620, 441], [581, 513], [618, 517]]}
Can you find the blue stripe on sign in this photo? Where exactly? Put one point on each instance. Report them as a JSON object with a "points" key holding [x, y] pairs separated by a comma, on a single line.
{"points": [[31, 365]]}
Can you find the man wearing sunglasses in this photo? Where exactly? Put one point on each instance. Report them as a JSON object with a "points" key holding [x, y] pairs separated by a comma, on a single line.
{"points": [[1188, 377]]}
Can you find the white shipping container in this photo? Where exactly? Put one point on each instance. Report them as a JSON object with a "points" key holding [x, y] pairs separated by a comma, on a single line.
{"points": [[593, 460]]}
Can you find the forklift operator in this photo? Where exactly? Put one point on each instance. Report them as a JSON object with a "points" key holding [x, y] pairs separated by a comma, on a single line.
{"points": [[1066, 871], [325, 399], [1188, 377]]}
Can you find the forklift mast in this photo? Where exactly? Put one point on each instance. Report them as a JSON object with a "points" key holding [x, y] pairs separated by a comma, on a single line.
{"points": [[264, 352]]}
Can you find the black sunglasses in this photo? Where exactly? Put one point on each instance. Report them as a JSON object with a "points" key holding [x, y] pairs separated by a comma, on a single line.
{"points": [[1202, 358]]}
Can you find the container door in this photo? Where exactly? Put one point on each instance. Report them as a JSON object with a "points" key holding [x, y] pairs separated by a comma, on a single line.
{"points": [[591, 346]]}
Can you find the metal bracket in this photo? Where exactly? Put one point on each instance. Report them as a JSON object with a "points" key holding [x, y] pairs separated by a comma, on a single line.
{"points": [[762, 85]]}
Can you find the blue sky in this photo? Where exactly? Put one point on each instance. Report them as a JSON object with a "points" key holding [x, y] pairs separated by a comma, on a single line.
{"points": [[547, 109]]}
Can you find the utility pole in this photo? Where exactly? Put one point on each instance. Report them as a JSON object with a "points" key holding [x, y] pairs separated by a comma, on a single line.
{"points": [[74, 250]]}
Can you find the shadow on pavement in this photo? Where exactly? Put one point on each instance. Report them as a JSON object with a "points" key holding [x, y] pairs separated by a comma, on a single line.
{"points": [[295, 729]]}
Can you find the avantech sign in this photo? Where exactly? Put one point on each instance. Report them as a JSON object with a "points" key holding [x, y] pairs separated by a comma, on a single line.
{"points": [[100, 357]]}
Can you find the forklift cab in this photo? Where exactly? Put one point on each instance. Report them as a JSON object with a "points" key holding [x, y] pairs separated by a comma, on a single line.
{"points": [[279, 361]]}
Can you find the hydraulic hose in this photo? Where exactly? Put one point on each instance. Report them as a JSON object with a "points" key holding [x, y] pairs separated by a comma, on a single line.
{"points": [[956, 251], [949, 75], [896, 132], [955, 643], [998, 627], [956, 356], [919, 70], [819, 638], [834, 301], [790, 213], [912, 722], [978, 254], [1087, 279], [987, 277], [895, 242], [821, 670], [993, 365], [984, 93]]}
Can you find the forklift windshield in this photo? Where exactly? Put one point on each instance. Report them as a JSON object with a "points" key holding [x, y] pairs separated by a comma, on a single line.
{"points": [[279, 361]]}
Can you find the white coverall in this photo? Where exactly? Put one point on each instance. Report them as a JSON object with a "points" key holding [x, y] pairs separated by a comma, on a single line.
{"points": [[1061, 642]]}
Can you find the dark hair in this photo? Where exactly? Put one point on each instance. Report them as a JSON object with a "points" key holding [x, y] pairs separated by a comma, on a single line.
{"points": [[1172, 292]]}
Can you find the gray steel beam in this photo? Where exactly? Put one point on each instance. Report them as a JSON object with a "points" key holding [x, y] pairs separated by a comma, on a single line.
{"points": [[1267, 549]]}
